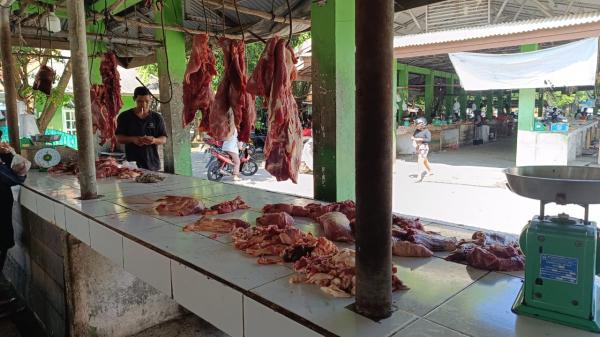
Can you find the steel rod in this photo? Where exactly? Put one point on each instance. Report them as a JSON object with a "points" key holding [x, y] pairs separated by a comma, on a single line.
{"points": [[8, 74], [374, 156], [83, 107]]}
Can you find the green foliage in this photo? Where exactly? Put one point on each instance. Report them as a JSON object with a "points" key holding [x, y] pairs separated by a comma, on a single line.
{"points": [[562, 99], [147, 71]]}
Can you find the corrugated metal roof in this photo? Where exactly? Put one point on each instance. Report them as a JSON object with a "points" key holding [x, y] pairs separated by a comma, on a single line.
{"points": [[471, 33]]}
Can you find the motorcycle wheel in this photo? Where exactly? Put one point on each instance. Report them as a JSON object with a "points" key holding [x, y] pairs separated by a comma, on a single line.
{"points": [[249, 168], [214, 172]]}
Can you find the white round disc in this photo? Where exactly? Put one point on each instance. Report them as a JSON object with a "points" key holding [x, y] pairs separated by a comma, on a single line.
{"points": [[47, 157]]}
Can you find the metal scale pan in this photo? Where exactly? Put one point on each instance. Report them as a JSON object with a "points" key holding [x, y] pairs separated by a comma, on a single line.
{"points": [[560, 184]]}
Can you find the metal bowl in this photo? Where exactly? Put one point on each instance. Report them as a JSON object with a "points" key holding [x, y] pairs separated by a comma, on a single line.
{"points": [[560, 184], [45, 138]]}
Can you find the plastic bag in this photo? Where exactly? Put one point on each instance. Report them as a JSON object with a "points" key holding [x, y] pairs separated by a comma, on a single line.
{"points": [[20, 165]]}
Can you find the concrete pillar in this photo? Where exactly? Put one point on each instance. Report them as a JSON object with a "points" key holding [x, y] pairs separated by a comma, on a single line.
{"points": [[333, 76], [449, 99], [83, 106], [429, 94], [177, 150], [489, 112], [463, 99], [8, 73], [403, 87], [525, 137]]}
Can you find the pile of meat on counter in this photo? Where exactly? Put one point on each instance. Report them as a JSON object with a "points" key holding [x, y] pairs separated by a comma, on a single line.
{"points": [[106, 167], [317, 260]]}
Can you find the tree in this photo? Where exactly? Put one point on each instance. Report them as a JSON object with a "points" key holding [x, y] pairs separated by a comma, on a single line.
{"points": [[27, 62]]}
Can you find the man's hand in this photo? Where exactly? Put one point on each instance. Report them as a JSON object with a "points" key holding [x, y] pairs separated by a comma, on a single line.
{"points": [[149, 140], [139, 141], [20, 169], [6, 148]]}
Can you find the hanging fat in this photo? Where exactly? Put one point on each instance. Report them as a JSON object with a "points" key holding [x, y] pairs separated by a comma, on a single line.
{"points": [[44, 79]]}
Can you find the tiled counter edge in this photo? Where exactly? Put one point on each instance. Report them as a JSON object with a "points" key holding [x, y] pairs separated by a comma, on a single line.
{"points": [[219, 302]]}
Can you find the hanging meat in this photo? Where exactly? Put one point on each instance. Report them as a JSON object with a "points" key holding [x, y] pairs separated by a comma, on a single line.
{"points": [[106, 99], [272, 79], [232, 94], [44, 79], [200, 70]]}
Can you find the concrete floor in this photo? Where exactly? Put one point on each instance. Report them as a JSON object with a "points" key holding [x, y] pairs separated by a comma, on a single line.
{"points": [[468, 188]]}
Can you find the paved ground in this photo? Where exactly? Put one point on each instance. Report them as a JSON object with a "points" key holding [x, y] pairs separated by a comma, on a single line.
{"points": [[468, 188]]}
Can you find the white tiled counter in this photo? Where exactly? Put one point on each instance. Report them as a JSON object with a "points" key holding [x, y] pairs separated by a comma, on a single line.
{"points": [[207, 276]]}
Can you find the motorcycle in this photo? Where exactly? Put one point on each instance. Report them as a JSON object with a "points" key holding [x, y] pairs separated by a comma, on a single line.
{"points": [[257, 141], [220, 163]]}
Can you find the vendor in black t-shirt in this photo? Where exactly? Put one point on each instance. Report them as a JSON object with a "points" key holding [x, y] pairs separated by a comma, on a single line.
{"points": [[141, 130]]}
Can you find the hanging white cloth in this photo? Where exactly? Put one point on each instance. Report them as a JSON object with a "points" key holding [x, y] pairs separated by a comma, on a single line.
{"points": [[572, 64]]}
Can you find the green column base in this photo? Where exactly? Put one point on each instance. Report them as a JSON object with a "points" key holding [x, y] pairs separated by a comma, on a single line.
{"points": [[520, 307]]}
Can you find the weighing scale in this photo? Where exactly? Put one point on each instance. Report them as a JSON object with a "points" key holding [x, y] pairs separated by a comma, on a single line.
{"points": [[47, 156], [561, 252]]}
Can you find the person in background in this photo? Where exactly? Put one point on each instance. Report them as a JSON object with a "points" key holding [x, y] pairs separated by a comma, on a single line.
{"points": [[478, 132], [11, 174], [231, 146], [141, 130], [421, 139]]}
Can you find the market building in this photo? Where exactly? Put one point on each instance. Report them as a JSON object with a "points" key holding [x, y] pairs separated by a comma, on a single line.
{"points": [[104, 249]]}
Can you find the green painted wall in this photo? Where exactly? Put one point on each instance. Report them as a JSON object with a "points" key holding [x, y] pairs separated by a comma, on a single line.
{"points": [[527, 99], [333, 76]]}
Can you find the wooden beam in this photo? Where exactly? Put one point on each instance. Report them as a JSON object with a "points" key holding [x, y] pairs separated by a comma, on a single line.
{"points": [[412, 15], [539, 36], [33, 33], [258, 13], [9, 78], [174, 28], [83, 107], [500, 11]]}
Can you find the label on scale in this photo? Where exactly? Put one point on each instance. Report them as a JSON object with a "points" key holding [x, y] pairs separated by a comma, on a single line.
{"points": [[558, 268]]}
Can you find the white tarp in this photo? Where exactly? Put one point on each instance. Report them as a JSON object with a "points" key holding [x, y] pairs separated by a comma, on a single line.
{"points": [[572, 64]]}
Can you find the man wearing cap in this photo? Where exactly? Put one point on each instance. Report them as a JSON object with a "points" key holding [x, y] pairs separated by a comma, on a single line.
{"points": [[421, 139]]}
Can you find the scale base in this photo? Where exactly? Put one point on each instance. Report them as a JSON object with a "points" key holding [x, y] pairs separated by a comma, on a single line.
{"points": [[521, 308]]}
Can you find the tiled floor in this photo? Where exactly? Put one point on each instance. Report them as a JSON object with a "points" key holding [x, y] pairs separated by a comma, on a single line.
{"points": [[209, 277]]}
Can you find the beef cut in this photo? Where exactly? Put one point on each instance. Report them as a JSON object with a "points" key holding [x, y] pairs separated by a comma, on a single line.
{"points": [[489, 251], [409, 249], [178, 205], [215, 225], [200, 70], [336, 226], [232, 94], [281, 220], [226, 207], [44, 79], [272, 79]]}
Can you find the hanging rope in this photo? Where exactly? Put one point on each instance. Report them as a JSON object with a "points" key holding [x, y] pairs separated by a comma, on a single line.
{"points": [[291, 24], [223, 16], [205, 17], [164, 36], [239, 21]]}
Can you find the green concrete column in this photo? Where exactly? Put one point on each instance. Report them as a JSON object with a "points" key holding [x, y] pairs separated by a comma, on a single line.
{"points": [[333, 76], [527, 99], [489, 111], [463, 99], [429, 96], [96, 48], [449, 99], [478, 101], [177, 151], [403, 87]]}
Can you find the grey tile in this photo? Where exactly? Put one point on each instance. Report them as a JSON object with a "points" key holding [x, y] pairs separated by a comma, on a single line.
{"points": [[432, 281], [425, 328], [310, 303], [484, 310]]}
